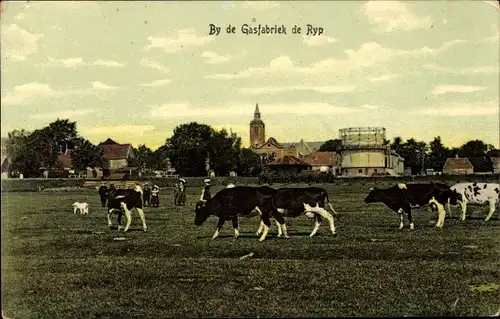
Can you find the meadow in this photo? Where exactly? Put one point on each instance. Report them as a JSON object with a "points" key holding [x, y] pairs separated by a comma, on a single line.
{"points": [[59, 265]]}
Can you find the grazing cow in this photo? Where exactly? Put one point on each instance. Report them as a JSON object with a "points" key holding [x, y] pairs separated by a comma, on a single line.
{"points": [[125, 200], [477, 193], [402, 197], [293, 202], [230, 203], [104, 194], [82, 207]]}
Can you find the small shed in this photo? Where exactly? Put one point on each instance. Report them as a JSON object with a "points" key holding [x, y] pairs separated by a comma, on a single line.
{"points": [[288, 164], [458, 166]]}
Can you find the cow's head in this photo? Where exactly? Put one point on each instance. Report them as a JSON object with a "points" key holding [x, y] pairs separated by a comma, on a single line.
{"points": [[201, 212], [373, 196], [455, 197]]}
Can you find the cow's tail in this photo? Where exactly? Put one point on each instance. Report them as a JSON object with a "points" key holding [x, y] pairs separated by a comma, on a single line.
{"points": [[331, 207]]}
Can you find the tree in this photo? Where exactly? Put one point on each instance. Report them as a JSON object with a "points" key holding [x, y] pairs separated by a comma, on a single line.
{"points": [[159, 158], [24, 158], [250, 163], [143, 157], [188, 148], [475, 148], [224, 152], [331, 146], [412, 152], [438, 154], [85, 154], [397, 145]]}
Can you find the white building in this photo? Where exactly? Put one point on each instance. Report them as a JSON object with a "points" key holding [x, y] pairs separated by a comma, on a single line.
{"points": [[366, 152]]}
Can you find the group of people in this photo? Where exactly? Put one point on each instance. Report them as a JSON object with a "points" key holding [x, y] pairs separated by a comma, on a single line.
{"points": [[150, 196]]}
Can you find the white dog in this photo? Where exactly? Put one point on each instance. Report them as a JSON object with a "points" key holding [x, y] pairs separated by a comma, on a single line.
{"points": [[82, 207]]}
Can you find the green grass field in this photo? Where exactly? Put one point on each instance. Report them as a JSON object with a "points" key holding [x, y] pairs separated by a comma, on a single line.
{"points": [[55, 266]]}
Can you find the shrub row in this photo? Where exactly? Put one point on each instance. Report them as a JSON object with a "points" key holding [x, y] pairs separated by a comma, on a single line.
{"points": [[39, 184]]}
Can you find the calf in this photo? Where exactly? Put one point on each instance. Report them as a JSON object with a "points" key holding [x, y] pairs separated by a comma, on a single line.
{"points": [[104, 194], [125, 200], [230, 203], [402, 197], [476, 193], [293, 202], [82, 207]]}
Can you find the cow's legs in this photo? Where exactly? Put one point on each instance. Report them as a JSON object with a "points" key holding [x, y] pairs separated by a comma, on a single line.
{"points": [[401, 213], [119, 218], [140, 211], [317, 223], [261, 227], [492, 209], [267, 223], [323, 213], [280, 223], [128, 215], [74, 209], [219, 226], [463, 205], [449, 208], [235, 227], [441, 212]]}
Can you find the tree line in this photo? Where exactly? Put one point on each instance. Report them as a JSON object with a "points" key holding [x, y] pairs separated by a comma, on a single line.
{"points": [[195, 148]]}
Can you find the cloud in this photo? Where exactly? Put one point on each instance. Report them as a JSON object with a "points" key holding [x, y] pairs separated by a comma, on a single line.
{"points": [[27, 93], [17, 43], [388, 16], [479, 109], [214, 58], [79, 62], [260, 5], [117, 130], [232, 109], [443, 89], [317, 41], [383, 78], [185, 38], [281, 89], [154, 65], [370, 106], [101, 86], [368, 54], [109, 64], [63, 114], [157, 83], [463, 71]]}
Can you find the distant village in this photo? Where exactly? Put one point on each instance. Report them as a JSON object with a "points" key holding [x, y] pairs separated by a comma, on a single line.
{"points": [[361, 151]]}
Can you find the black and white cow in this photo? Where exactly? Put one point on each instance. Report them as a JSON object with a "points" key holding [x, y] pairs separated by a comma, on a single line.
{"points": [[103, 194], [294, 202], [229, 203], [402, 197], [477, 193], [125, 200]]}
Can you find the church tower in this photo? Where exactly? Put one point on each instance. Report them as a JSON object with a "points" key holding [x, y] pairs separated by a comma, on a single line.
{"points": [[257, 129]]}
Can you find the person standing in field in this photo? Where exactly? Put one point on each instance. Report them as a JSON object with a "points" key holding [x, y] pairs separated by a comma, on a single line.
{"points": [[205, 193]]}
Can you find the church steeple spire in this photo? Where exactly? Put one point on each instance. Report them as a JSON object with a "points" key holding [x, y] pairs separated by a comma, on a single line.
{"points": [[256, 114]]}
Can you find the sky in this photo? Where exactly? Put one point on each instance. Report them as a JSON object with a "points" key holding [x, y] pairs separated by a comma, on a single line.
{"points": [[133, 71]]}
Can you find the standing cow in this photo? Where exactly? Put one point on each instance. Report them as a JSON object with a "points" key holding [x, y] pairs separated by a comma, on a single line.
{"points": [[402, 197], [294, 202], [230, 203], [477, 193], [125, 200]]}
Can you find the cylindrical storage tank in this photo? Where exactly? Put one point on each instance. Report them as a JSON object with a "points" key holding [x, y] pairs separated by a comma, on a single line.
{"points": [[358, 136], [362, 158]]}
